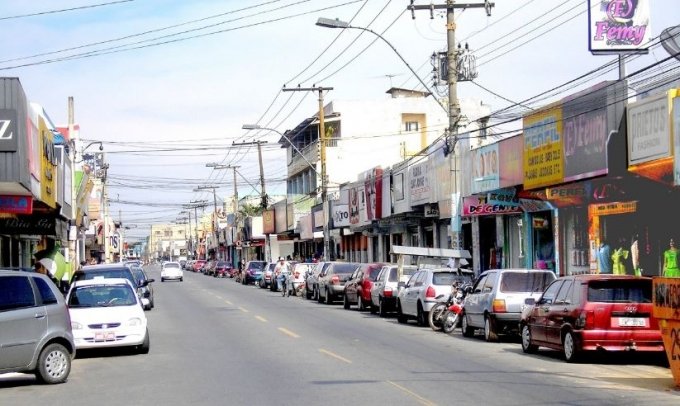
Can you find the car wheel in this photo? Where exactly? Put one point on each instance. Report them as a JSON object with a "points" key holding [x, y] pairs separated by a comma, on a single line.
{"points": [[146, 345], [162, 279], [317, 294], [382, 311], [527, 346], [468, 331], [435, 318], [54, 364], [570, 348], [153, 304], [181, 279], [308, 295], [345, 302], [401, 317], [360, 304], [490, 330], [421, 316], [373, 308], [328, 297]]}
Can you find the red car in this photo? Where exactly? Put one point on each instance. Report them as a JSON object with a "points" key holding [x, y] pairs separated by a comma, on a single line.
{"points": [[223, 269], [198, 265], [582, 313], [358, 287]]}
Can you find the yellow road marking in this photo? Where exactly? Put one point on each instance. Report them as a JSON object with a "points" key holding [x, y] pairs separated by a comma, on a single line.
{"points": [[288, 332], [228, 302], [415, 395], [243, 310], [336, 356], [262, 319]]}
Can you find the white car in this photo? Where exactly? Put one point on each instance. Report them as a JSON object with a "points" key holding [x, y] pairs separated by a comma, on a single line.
{"points": [[172, 270], [107, 313]]}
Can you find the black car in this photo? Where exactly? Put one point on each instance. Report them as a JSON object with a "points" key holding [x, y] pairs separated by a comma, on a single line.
{"points": [[145, 287], [111, 271]]}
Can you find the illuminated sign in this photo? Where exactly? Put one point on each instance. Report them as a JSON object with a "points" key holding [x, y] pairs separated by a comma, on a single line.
{"points": [[618, 26]]}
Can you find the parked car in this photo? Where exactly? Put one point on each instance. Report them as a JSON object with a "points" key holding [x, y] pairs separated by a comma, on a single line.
{"points": [[171, 270], [107, 313], [267, 275], [332, 279], [198, 265], [592, 312], [183, 263], [189, 265], [145, 287], [209, 268], [311, 283], [386, 287], [358, 287], [223, 269], [497, 297], [419, 294], [36, 332], [253, 272]]}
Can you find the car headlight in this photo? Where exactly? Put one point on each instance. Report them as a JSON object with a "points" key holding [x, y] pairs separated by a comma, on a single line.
{"points": [[135, 321], [76, 326]]}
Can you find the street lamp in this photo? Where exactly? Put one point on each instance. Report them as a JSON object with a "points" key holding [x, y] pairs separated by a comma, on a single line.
{"points": [[335, 23]]}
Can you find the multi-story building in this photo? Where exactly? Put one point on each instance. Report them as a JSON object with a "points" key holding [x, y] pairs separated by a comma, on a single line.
{"points": [[168, 242]]}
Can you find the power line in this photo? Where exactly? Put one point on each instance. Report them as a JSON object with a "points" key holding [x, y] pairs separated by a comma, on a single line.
{"points": [[65, 10]]}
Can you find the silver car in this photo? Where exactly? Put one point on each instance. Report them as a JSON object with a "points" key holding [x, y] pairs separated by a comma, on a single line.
{"points": [[419, 295], [497, 297], [332, 279], [386, 287], [35, 329]]}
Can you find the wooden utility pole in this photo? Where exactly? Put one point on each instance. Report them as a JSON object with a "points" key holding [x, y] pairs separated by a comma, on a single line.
{"points": [[322, 153]]}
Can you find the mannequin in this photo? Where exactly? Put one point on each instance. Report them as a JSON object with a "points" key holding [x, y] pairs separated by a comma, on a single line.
{"points": [[635, 255], [619, 258], [670, 261], [604, 257]]}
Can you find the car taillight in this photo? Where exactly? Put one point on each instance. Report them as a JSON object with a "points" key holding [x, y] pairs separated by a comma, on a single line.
{"points": [[430, 292], [335, 280], [387, 292], [498, 306], [586, 320]]}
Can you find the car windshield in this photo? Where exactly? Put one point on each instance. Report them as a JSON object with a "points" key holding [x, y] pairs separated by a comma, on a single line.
{"points": [[407, 271], [102, 296], [171, 265], [344, 268], [256, 265], [448, 278], [620, 291], [109, 273], [525, 281]]}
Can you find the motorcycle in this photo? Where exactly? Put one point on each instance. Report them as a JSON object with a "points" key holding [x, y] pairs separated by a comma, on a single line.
{"points": [[444, 315]]}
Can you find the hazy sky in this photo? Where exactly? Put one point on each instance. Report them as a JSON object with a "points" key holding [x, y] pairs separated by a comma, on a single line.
{"points": [[185, 75]]}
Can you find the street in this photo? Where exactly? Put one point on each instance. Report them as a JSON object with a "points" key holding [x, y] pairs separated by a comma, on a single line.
{"points": [[216, 342]]}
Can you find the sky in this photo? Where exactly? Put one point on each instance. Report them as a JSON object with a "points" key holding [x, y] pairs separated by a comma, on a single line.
{"points": [[167, 85]]}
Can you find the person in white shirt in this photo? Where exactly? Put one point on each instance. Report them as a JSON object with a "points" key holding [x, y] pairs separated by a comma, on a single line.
{"points": [[282, 267]]}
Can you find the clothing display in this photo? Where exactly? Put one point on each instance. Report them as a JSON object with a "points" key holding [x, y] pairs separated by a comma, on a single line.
{"points": [[670, 260], [604, 259], [635, 256], [618, 261]]}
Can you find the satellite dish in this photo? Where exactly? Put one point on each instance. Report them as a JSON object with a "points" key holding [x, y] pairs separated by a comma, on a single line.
{"points": [[670, 40]]}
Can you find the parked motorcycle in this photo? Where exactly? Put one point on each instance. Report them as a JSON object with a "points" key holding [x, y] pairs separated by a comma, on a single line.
{"points": [[444, 315]]}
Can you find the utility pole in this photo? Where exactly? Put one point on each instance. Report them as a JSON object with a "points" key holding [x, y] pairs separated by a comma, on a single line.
{"points": [[263, 193], [195, 204], [454, 106], [322, 154]]}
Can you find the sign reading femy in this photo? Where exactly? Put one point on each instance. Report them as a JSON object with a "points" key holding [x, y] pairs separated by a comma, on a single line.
{"points": [[649, 135], [618, 26]]}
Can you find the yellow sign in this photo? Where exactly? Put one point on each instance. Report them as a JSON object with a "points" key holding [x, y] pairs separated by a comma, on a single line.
{"points": [[543, 158], [48, 165], [613, 208], [666, 300]]}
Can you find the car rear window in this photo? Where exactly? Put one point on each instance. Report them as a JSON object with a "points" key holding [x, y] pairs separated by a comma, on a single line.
{"points": [[344, 268], [109, 273], [448, 278], [620, 291], [257, 265], [373, 273], [222, 263], [513, 282], [176, 266], [406, 271]]}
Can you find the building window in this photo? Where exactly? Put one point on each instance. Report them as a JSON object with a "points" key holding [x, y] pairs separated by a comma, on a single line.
{"points": [[411, 126]]}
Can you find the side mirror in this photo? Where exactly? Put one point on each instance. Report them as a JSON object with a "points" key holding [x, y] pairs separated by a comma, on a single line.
{"points": [[468, 289], [150, 280], [530, 301]]}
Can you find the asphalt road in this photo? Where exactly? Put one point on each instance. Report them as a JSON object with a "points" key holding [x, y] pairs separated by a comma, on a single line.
{"points": [[216, 342]]}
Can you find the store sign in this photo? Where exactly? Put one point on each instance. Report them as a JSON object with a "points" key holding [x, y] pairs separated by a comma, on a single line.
{"points": [[485, 168], [507, 196], [373, 186], [340, 215], [586, 133], [9, 138], [613, 208], [478, 206], [649, 135], [543, 160], [268, 223], [419, 183], [29, 225], [431, 210], [511, 161], [676, 140], [16, 204], [317, 217], [618, 26], [574, 194]]}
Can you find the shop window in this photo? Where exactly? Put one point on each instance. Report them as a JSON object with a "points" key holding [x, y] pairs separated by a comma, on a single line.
{"points": [[411, 126]]}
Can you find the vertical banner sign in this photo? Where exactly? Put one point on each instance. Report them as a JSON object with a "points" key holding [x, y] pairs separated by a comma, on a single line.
{"points": [[649, 135], [676, 140], [485, 167], [9, 139], [618, 26], [510, 162], [543, 161]]}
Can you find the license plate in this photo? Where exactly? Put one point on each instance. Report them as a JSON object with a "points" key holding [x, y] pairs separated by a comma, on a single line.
{"points": [[631, 322], [105, 336]]}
